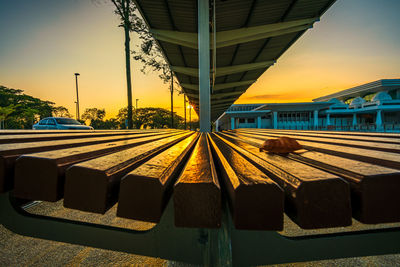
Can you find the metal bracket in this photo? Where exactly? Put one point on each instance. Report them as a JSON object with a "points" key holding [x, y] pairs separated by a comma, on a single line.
{"points": [[211, 247]]}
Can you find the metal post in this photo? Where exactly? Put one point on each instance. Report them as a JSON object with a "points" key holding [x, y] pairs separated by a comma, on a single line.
{"points": [[204, 65], [172, 100], [190, 118], [137, 99], [77, 96], [184, 108], [232, 123]]}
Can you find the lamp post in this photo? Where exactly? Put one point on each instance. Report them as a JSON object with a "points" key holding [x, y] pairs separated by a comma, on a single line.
{"points": [[184, 108], [137, 99], [77, 96], [190, 116]]}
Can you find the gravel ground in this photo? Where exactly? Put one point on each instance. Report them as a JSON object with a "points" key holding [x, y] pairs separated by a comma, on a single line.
{"points": [[16, 250]]}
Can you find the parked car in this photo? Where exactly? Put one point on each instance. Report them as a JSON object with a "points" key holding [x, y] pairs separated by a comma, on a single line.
{"points": [[56, 123]]}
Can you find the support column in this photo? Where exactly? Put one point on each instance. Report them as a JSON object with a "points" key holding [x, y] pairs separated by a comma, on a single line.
{"points": [[354, 120], [204, 65], [328, 119], [275, 120], [315, 119], [232, 123], [217, 125], [378, 121], [259, 122]]}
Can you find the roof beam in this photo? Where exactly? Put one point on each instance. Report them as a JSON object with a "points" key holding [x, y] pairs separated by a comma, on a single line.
{"points": [[216, 96], [238, 36], [219, 86], [222, 71]]}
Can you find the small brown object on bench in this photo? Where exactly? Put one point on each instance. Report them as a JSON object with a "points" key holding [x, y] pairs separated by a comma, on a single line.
{"points": [[282, 145]]}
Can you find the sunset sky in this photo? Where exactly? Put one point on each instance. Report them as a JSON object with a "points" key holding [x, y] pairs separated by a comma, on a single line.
{"points": [[44, 42]]}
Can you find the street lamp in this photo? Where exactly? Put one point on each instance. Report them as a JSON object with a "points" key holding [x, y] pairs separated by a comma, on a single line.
{"points": [[184, 107], [190, 116], [77, 96]]}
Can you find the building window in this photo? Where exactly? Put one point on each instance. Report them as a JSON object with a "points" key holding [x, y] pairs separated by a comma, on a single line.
{"points": [[241, 120], [250, 120]]}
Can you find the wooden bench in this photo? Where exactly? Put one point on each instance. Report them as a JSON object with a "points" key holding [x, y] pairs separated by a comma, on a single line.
{"points": [[207, 192]]}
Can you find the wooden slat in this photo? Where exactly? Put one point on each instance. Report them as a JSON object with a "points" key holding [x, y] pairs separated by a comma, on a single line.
{"points": [[10, 152], [197, 194], [40, 176], [256, 201], [386, 159], [394, 148], [145, 191], [24, 138], [314, 198], [375, 189], [329, 135], [350, 133], [94, 185]]}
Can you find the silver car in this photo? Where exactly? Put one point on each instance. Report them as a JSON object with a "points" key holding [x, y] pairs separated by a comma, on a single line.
{"points": [[56, 123]]}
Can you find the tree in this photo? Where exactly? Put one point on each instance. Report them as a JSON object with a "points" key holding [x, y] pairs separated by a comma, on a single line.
{"points": [[125, 9], [25, 108], [61, 111], [4, 113], [94, 114], [153, 118]]}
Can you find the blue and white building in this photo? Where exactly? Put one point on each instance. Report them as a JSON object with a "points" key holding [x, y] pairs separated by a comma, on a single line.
{"points": [[373, 106]]}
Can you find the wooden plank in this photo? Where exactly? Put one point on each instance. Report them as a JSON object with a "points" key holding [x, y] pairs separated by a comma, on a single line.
{"points": [[145, 191], [256, 201], [94, 185], [394, 148], [10, 152], [24, 138], [197, 194], [375, 190], [314, 198], [330, 136], [40, 176], [355, 133], [386, 159]]}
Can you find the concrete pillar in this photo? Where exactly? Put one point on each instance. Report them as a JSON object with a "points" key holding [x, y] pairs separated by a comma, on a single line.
{"points": [[275, 120], [232, 123], [204, 65], [378, 121], [328, 119], [354, 119], [259, 122], [315, 119]]}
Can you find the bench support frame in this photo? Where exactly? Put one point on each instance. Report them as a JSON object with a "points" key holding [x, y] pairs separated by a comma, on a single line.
{"points": [[226, 246]]}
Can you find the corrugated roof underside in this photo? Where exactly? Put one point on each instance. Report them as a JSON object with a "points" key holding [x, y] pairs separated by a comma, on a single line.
{"points": [[181, 15]]}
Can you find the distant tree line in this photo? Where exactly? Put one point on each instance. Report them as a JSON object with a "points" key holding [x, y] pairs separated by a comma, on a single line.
{"points": [[21, 111]]}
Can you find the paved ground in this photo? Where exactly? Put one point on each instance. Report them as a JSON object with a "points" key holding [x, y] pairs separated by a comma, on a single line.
{"points": [[16, 250]]}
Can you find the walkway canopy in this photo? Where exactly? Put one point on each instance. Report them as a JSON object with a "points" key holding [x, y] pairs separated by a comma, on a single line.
{"points": [[223, 46]]}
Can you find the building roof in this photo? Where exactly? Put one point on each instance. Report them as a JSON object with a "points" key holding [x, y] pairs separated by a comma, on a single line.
{"points": [[362, 90], [251, 36]]}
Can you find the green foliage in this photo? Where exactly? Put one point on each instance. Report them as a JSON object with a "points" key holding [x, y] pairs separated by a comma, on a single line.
{"points": [[19, 110], [153, 118], [61, 111]]}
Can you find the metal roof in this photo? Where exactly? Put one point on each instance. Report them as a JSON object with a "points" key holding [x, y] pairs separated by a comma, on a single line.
{"points": [[248, 31], [364, 89]]}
